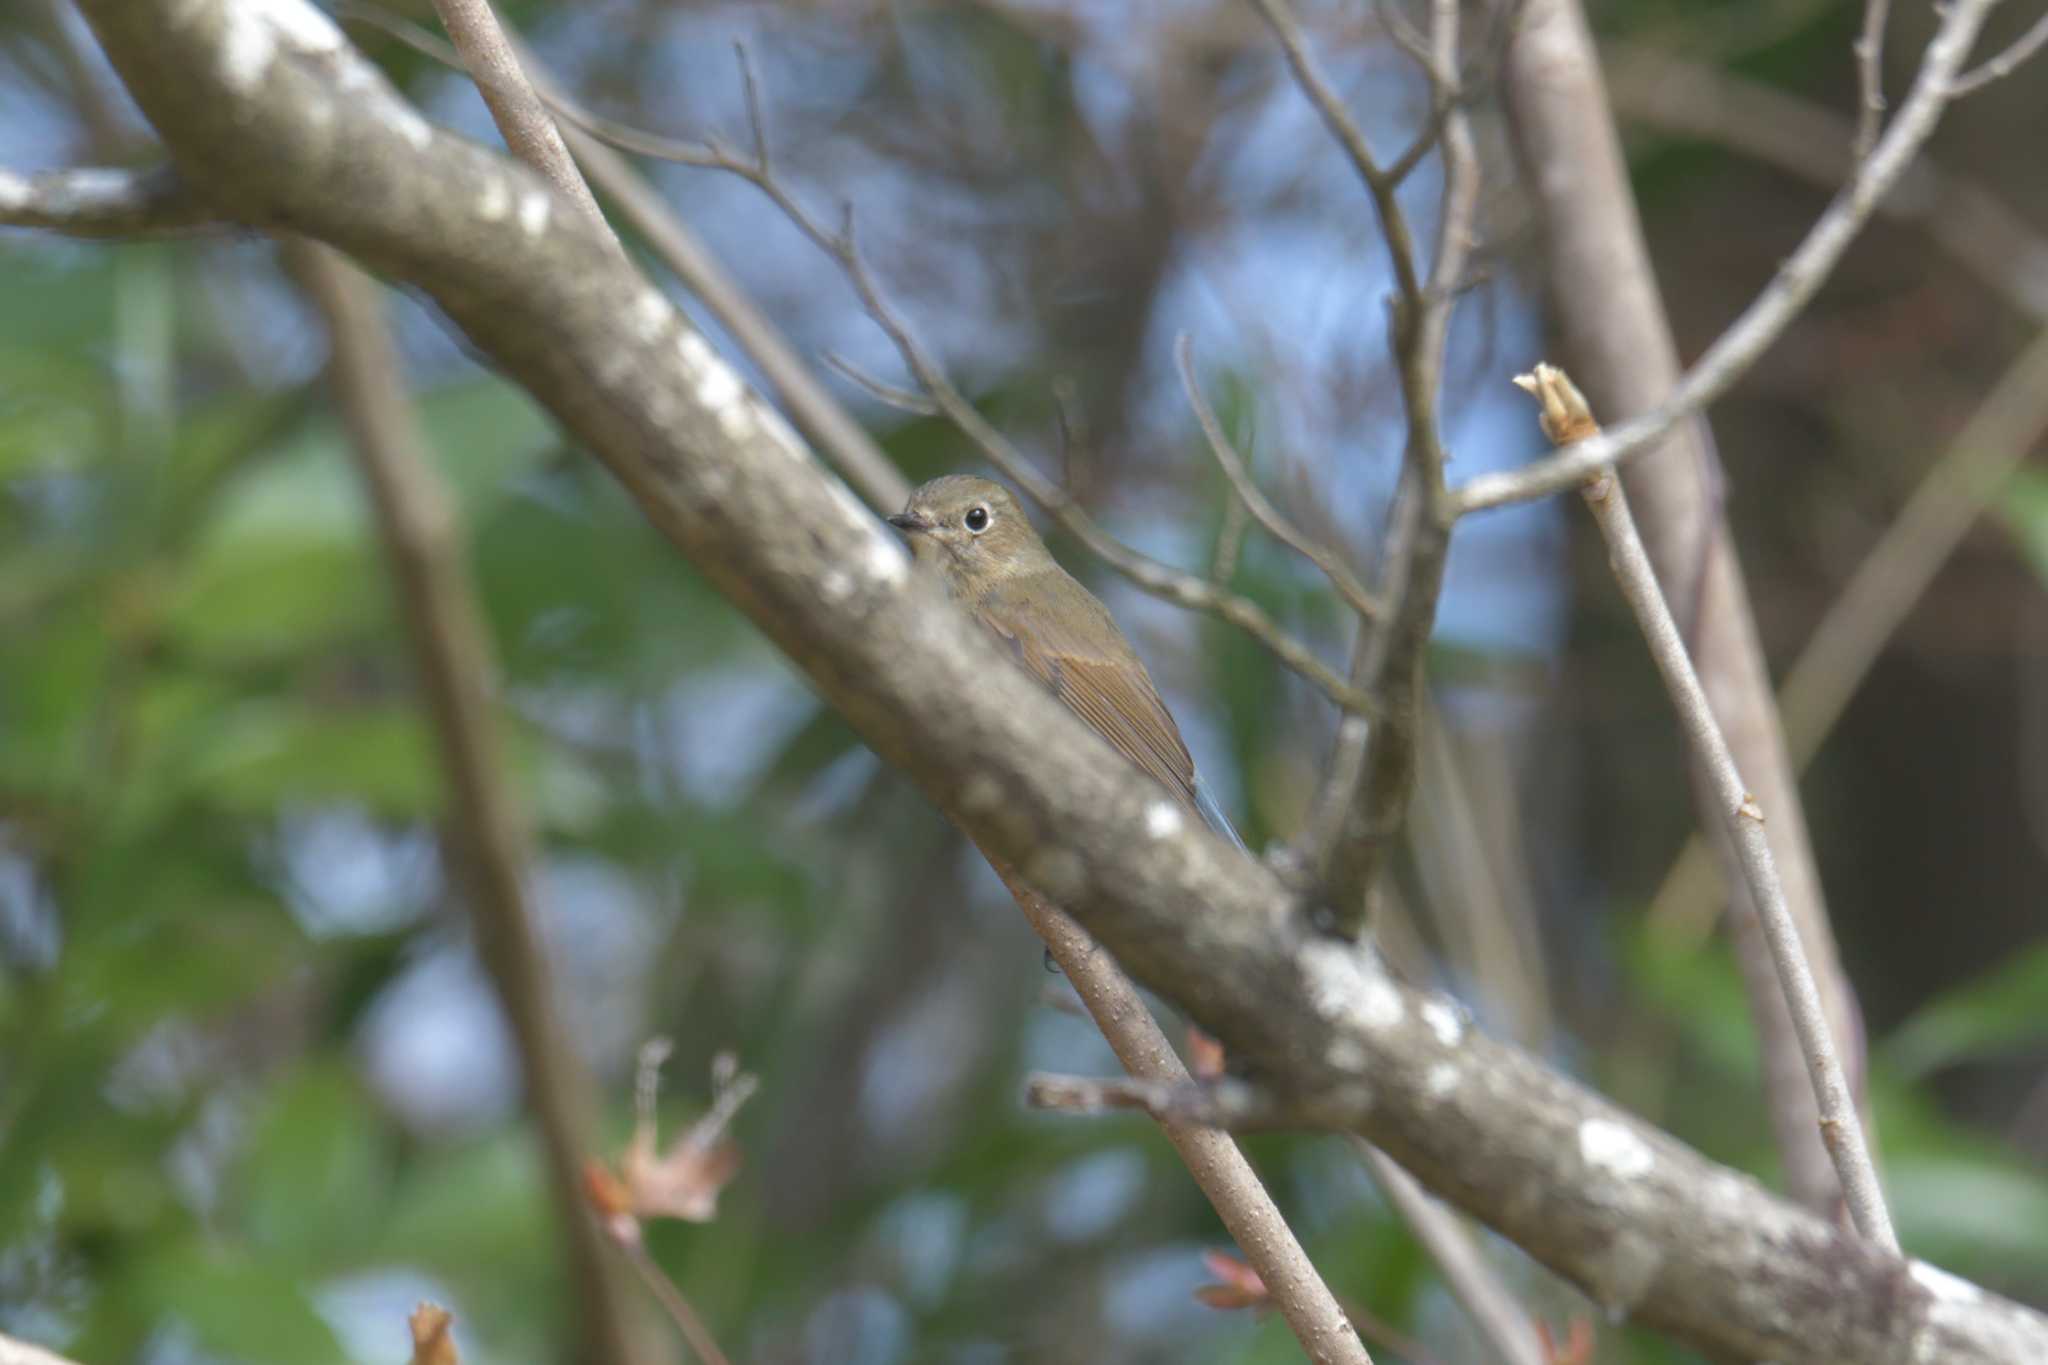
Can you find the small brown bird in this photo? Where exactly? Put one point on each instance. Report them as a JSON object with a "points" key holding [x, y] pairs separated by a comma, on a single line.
{"points": [[973, 533]]}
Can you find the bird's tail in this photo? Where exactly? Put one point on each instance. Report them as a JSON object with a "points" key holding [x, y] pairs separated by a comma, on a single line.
{"points": [[1212, 812]]}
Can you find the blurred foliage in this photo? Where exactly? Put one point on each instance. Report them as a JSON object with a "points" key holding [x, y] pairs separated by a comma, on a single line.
{"points": [[254, 1097]]}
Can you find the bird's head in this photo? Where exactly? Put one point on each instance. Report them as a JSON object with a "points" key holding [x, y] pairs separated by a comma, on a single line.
{"points": [[972, 531]]}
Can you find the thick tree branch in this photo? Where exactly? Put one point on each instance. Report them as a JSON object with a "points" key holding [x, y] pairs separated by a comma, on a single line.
{"points": [[817, 414], [266, 107], [13, 1352], [417, 522]]}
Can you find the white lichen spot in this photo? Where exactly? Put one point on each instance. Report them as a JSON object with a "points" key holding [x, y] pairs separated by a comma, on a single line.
{"points": [[1349, 989], [1162, 820], [1058, 873], [736, 421], [650, 315], [495, 202], [1614, 1148], [717, 386], [981, 793], [536, 208], [14, 192], [1443, 1021], [888, 565], [247, 47], [305, 27], [1346, 1054], [1440, 1080], [836, 586], [407, 123], [1946, 1288]]}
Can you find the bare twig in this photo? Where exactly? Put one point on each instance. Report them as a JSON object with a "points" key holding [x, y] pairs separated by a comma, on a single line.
{"points": [[820, 417], [1187, 590], [1255, 502], [95, 201], [1233, 1188], [1500, 1318], [1227, 1104], [1329, 106], [2004, 64], [674, 1303], [422, 541], [1605, 303], [1767, 316], [1738, 1272], [1567, 418], [1875, 602], [1962, 216], [524, 122], [1370, 778], [1869, 50]]}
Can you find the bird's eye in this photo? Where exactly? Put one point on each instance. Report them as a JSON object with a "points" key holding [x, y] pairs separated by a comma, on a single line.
{"points": [[977, 519]]}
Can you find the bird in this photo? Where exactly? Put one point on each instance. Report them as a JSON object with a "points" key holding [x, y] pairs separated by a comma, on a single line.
{"points": [[974, 535]]}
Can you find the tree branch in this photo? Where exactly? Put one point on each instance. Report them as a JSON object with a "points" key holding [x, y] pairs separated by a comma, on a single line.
{"points": [[1611, 322], [523, 121], [1212, 1157], [819, 416], [1767, 316], [1649, 1227], [1960, 215], [1567, 418], [100, 201], [1499, 1317], [1370, 777], [423, 542], [2005, 63]]}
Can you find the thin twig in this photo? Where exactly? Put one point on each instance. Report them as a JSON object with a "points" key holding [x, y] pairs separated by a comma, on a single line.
{"points": [[1187, 590], [673, 1302], [524, 122], [1370, 777], [1255, 502], [1308, 75], [2004, 64], [1962, 216], [1226, 1104], [1500, 1318], [1869, 50], [1878, 597], [422, 541], [104, 201], [1767, 316], [820, 417], [1567, 418], [1214, 1160]]}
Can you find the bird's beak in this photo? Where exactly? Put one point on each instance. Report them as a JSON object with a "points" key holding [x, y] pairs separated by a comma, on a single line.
{"points": [[909, 521]]}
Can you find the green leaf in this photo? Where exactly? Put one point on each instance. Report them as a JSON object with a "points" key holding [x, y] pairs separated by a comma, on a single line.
{"points": [[1999, 1010], [2026, 512], [316, 1181], [236, 1305]]}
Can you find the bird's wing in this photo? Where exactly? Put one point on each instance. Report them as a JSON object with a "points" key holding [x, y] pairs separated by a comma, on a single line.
{"points": [[1084, 658]]}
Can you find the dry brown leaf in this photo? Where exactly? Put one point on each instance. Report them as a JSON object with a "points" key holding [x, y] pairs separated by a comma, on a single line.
{"points": [[433, 1337]]}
